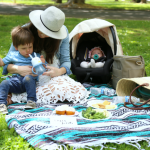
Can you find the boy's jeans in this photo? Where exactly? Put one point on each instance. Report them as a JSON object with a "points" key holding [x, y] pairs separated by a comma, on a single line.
{"points": [[18, 84]]}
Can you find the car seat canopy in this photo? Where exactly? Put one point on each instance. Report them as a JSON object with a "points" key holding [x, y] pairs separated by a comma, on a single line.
{"points": [[100, 26], [87, 35]]}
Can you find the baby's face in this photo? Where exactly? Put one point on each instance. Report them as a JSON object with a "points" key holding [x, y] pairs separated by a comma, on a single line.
{"points": [[98, 52]]}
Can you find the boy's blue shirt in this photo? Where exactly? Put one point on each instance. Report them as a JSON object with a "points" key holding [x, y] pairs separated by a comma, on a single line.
{"points": [[63, 55], [14, 57]]}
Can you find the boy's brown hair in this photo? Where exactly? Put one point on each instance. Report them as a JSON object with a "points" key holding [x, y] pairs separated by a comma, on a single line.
{"points": [[21, 36]]}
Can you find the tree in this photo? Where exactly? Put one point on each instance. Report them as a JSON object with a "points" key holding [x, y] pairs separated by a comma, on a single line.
{"points": [[77, 4], [140, 1], [58, 1], [143, 1]]}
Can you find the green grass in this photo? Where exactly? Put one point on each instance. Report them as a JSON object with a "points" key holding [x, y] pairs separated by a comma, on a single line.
{"points": [[135, 40], [104, 4], [10, 140], [125, 5]]}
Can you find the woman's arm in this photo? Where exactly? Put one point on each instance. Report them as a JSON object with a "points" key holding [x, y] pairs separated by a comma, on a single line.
{"points": [[22, 70], [64, 54], [54, 72], [14, 69]]}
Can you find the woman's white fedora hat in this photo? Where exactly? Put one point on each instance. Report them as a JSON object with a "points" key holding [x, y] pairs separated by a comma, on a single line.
{"points": [[50, 22]]}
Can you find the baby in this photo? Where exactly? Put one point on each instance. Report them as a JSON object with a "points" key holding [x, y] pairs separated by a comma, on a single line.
{"points": [[94, 54]]}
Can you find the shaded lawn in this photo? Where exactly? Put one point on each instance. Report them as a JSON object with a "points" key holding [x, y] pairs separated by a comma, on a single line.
{"points": [[103, 4]]}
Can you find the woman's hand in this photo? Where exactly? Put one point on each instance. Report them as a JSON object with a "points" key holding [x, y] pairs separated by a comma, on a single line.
{"points": [[54, 72], [22, 70], [42, 59], [25, 70]]}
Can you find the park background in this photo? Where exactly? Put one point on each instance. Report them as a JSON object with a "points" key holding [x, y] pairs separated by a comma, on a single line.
{"points": [[133, 35]]}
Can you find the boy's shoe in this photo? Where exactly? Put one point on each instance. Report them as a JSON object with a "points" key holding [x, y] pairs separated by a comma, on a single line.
{"points": [[30, 105], [3, 109]]}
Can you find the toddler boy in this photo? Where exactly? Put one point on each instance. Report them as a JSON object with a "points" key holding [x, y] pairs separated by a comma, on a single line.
{"points": [[23, 40]]}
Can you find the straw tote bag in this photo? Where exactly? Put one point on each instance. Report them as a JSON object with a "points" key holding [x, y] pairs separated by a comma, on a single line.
{"points": [[139, 107], [138, 87], [127, 67]]}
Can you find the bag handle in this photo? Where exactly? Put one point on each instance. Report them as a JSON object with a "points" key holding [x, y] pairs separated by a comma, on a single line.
{"points": [[137, 107], [139, 63]]}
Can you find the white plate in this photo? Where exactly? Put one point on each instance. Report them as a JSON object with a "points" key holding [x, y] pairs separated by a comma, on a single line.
{"points": [[80, 115], [90, 103], [76, 113]]}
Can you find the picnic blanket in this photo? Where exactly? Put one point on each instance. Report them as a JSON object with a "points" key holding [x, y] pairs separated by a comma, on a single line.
{"points": [[125, 126]]}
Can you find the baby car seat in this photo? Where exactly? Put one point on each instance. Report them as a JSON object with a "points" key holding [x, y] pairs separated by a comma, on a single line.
{"points": [[94, 75]]}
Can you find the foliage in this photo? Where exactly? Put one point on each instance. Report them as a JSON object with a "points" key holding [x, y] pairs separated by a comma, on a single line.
{"points": [[102, 4], [135, 40]]}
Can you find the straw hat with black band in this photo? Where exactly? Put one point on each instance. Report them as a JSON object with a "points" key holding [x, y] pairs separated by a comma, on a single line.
{"points": [[50, 22]]}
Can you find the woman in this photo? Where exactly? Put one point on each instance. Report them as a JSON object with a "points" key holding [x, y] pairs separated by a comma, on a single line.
{"points": [[52, 41]]}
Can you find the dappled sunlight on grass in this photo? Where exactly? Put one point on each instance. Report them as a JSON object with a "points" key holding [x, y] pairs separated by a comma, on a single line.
{"points": [[135, 39], [106, 4], [127, 4]]}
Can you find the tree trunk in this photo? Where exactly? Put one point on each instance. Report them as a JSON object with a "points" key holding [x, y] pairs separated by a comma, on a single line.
{"points": [[143, 1], [76, 1], [81, 1], [74, 4], [58, 1], [116, 0], [137, 1]]}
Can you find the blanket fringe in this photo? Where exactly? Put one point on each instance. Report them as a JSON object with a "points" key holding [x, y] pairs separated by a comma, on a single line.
{"points": [[148, 141], [136, 144], [133, 143]]}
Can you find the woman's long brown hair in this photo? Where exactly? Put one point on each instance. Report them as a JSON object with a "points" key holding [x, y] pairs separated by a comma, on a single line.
{"points": [[49, 45]]}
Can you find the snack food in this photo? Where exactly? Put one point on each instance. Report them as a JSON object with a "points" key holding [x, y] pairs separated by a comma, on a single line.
{"points": [[110, 106], [95, 105], [101, 105], [64, 109], [104, 105], [60, 110], [70, 111]]}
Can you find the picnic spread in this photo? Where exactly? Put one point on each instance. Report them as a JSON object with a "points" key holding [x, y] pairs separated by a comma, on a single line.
{"points": [[44, 129]]}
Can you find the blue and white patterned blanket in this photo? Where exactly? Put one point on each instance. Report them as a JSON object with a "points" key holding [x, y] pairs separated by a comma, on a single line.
{"points": [[125, 126]]}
